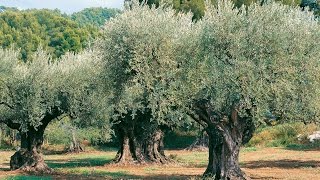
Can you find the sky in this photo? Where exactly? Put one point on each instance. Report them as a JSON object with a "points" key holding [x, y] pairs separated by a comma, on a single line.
{"points": [[67, 6]]}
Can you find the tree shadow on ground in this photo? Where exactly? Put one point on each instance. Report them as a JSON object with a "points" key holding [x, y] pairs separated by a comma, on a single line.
{"points": [[76, 163], [283, 163], [120, 175]]}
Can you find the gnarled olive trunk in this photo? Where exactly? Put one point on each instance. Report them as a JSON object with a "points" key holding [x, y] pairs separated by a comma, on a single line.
{"points": [[140, 142], [29, 157], [224, 148], [226, 135]]}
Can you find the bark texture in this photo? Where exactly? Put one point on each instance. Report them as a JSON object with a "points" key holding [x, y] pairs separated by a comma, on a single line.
{"points": [[29, 157], [140, 142], [226, 135]]}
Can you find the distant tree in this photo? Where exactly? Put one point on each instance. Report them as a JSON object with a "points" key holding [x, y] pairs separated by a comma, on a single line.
{"points": [[3, 8], [35, 93], [94, 16], [75, 134], [313, 5], [27, 30]]}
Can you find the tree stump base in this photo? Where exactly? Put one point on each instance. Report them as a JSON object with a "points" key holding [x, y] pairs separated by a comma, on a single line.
{"points": [[29, 161]]}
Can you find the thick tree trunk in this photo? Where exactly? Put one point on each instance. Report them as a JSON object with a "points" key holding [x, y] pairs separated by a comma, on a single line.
{"points": [[29, 158], [153, 148], [129, 151], [138, 144], [226, 135], [224, 151]]}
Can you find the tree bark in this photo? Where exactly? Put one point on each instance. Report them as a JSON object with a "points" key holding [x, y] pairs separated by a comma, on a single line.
{"points": [[140, 142], [154, 148], [226, 135], [29, 158], [224, 148]]}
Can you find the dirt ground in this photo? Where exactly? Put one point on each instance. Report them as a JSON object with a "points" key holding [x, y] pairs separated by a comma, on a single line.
{"points": [[265, 163]]}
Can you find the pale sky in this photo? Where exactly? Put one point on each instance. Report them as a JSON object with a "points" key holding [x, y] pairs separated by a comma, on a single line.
{"points": [[67, 6]]}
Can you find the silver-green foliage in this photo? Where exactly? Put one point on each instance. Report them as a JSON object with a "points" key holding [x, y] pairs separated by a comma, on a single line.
{"points": [[265, 58], [262, 58], [140, 48], [30, 91]]}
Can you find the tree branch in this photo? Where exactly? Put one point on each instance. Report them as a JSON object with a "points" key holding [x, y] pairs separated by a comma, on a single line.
{"points": [[197, 119], [6, 104]]}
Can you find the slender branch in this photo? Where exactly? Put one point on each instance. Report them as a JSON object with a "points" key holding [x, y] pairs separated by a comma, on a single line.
{"points": [[11, 124]]}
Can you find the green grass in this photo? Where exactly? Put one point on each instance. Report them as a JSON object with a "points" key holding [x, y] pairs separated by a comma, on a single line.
{"points": [[248, 149], [282, 135], [197, 159], [303, 147], [150, 169], [88, 162], [28, 178]]}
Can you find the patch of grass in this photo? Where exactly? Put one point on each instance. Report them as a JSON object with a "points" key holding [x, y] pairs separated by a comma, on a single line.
{"points": [[282, 135], [86, 162], [303, 147], [198, 159], [248, 149], [28, 178], [102, 148]]}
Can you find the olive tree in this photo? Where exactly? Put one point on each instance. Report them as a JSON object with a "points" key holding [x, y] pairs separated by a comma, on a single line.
{"points": [[243, 65], [35, 93], [141, 42]]}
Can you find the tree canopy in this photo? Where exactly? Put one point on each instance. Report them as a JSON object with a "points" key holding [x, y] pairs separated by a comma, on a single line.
{"points": [[197, 7], [35, 93], [94, 16]]}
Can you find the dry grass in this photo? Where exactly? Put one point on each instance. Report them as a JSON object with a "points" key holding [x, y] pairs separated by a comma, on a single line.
{"points": [[266, 163]]}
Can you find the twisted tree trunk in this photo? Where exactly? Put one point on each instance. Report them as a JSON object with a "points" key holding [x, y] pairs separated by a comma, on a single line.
{"points": [[29, 158], [224, 148], [140, 142], [226, 135]]}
